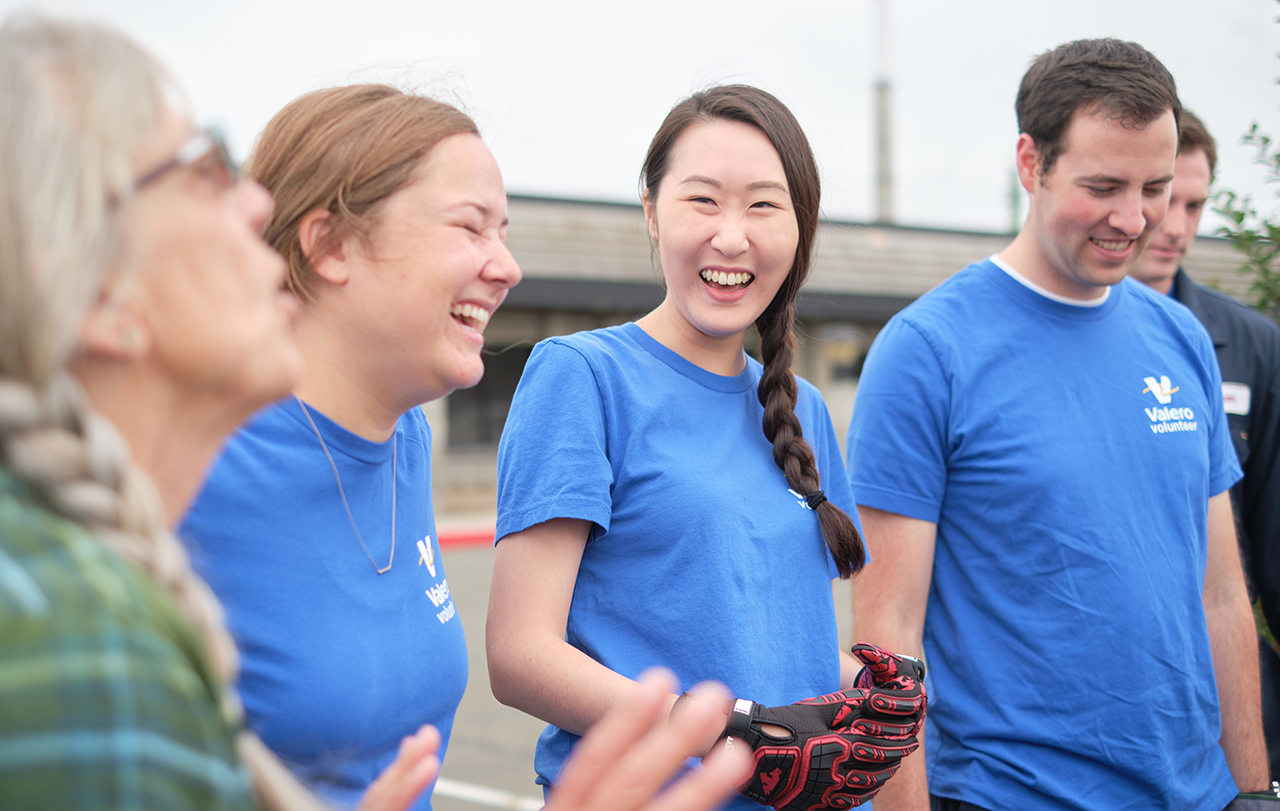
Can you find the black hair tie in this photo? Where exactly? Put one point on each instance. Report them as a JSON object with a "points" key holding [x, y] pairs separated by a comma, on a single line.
{"points": [[815, 499]]}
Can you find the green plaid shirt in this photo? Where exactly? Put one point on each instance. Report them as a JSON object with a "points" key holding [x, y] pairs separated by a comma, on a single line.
{"points": [[106, 698]]}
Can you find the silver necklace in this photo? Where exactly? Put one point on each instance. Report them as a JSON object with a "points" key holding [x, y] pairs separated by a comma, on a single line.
{"points": [[343, 493]]}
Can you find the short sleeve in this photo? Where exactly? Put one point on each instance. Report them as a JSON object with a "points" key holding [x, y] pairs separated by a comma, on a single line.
{"points": [[553, 456], [898, 439]]}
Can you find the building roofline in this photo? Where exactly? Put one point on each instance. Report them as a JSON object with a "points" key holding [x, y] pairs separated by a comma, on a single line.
{"points": [[905, 229]]}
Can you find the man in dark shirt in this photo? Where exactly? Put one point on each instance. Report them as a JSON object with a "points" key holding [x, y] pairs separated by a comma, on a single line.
{"points": [[1248, 349]]}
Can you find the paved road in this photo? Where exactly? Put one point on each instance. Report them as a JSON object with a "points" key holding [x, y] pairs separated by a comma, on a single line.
{"points": [[492, 745]]}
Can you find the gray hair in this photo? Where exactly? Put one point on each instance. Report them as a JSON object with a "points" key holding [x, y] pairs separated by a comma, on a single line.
{"points": [[76, 102]]}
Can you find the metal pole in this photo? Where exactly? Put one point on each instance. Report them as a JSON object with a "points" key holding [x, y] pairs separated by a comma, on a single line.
{"points": [[884, 130]]}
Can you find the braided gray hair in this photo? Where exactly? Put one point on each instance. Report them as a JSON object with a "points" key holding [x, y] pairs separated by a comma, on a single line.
{"points": [[75, 102]]}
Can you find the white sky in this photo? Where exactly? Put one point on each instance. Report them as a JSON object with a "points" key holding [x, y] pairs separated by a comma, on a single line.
{"points": [[568, 93]]}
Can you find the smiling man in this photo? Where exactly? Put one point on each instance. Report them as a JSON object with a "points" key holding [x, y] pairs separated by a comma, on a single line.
{"points": [[1041, 462], [1248, 350]]}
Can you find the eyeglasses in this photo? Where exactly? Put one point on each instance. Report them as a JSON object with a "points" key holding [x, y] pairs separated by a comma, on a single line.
{"points": [[207, 151]]}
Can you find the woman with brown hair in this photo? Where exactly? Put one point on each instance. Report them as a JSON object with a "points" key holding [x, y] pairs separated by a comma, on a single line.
{"points": [[316, 527], [664, 498]]}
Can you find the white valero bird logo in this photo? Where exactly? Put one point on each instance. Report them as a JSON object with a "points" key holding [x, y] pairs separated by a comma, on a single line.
{"points": [[799, 498], [427, 555], [1162, 390]]}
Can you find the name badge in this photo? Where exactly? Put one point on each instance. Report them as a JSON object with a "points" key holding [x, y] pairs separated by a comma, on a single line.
{"points": [[1235, 398]]}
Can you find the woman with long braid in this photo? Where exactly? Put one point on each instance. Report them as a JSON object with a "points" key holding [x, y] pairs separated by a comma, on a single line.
{"points": [[645, 517], [141, 320]]}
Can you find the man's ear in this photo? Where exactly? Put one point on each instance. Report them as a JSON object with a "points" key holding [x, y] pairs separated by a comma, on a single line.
{"points": [[114, 326], [315, 229], [650, 217], [1028, 162]]}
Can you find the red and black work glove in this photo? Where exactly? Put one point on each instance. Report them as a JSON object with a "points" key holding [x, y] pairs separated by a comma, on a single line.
{"points": [[843, 746]]}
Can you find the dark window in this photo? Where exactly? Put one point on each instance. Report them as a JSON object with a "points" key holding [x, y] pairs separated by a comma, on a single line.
{"points": [[846, 369], [477, 414]]}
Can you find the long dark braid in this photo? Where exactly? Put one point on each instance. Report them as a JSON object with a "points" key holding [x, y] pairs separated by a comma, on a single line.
{"points": [[777, 390]]}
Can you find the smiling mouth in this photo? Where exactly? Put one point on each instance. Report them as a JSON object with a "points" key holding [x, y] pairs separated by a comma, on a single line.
{"points": [[1116, 246], [733, 281], [470, 316]]}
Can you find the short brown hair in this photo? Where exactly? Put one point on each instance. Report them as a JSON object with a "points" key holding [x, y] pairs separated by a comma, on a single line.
{"points": [[1193, 135], [1122, 80], [343, 149]]}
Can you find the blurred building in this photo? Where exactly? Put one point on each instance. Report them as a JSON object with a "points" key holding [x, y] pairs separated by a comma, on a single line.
{"points": [[589, 265]]}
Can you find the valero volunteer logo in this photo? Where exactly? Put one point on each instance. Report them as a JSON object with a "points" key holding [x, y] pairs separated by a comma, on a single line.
{"points": [[1161, 389], [427, 555], [438, 593], [799, 498], [1166, 418]]}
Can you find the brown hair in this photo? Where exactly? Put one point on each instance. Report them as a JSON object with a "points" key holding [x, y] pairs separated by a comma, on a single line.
{"points": [[343, 149], [1193, 135], [1122, 80], [776, 325]]}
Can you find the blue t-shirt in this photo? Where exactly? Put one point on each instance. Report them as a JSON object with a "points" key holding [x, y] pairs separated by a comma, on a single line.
{"points": [[338, 662], [700, 558], [1067, 455]]}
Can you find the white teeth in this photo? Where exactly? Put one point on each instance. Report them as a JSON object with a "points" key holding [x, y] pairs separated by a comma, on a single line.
{"points": [[727, 279], [1112, 246], [478, 314]]}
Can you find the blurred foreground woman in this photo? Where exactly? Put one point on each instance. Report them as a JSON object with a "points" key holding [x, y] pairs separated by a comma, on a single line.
{"points": [[140, 321], [129, 262]]}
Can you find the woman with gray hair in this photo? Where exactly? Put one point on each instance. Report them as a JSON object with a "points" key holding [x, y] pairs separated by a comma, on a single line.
{"points": [[141, 320], [132, 283]]}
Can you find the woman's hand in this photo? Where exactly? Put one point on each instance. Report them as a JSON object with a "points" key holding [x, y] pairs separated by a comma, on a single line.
{"points": [[415, 766], [626, 758], [621, 764]]}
